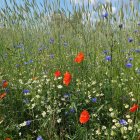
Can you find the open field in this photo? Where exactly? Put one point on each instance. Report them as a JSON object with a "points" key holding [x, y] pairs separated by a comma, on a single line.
{"points": [[69, 70]]}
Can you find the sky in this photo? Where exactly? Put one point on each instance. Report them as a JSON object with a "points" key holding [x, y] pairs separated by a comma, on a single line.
{"points": [[67, 6], [76, 2]]}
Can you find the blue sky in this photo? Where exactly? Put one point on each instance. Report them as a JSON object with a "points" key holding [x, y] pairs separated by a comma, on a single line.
{"points": [[114, 2], [65, 4]]}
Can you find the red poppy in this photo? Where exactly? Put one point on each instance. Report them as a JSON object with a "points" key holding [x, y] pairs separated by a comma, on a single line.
{"points": [[57, 74], [67, 78], [134, 108], [2, 95], [4, 84], [84, 117], [79, 58], [7, 138]]}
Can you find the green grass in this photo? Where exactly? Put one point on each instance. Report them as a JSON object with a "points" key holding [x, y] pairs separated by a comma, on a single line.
{"points": [[39, 46]]}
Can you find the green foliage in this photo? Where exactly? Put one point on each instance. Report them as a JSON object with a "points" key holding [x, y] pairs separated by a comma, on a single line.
{"points": [[36, 41]]}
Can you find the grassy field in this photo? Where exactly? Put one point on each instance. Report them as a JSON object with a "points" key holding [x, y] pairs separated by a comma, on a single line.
{"points": [[68, 75]]}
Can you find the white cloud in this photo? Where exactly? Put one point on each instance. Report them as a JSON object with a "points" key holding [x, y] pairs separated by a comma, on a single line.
{"points": [[92, 2], [114, 10]]}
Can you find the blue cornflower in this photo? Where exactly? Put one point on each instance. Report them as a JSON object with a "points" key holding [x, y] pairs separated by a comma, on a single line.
{"points": [[108, 58], [123, 122], [72, 110], [130, 39], [39, 138], [66, 95], [40, 49], [105, 51], [7, 90], [65, 44], [51, 55], [51, 40], [130, 59], [28, 122], [139, 23], [136, 31], [137, 50], [25, 63], [120, 26], [26, 91], [20, 46], [17, 65], [3, 81], [94, 100], [22, 52], [128, 65], [105, 15], [31, 61]]}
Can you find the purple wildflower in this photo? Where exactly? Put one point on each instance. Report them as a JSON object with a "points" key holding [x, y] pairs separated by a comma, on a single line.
{"points": [[28, 122], [130, 59], [65, 44], [123, 122], [105, 51], [25, 63], [105, 15], [7, 90], [128, 65], [3, 81], [40, 49], [17, 65], [51, 40], [39, 138], [66, 95], [136, 31], [130, 40], [94, 100], [137, 50], [20, 46], [31, 61], [51, 55], [121, 26], [108, 58], [26, 91], [72, 110]]}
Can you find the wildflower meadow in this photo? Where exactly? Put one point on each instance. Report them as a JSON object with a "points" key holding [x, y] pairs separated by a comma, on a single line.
{"points": [[69, 70]]}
